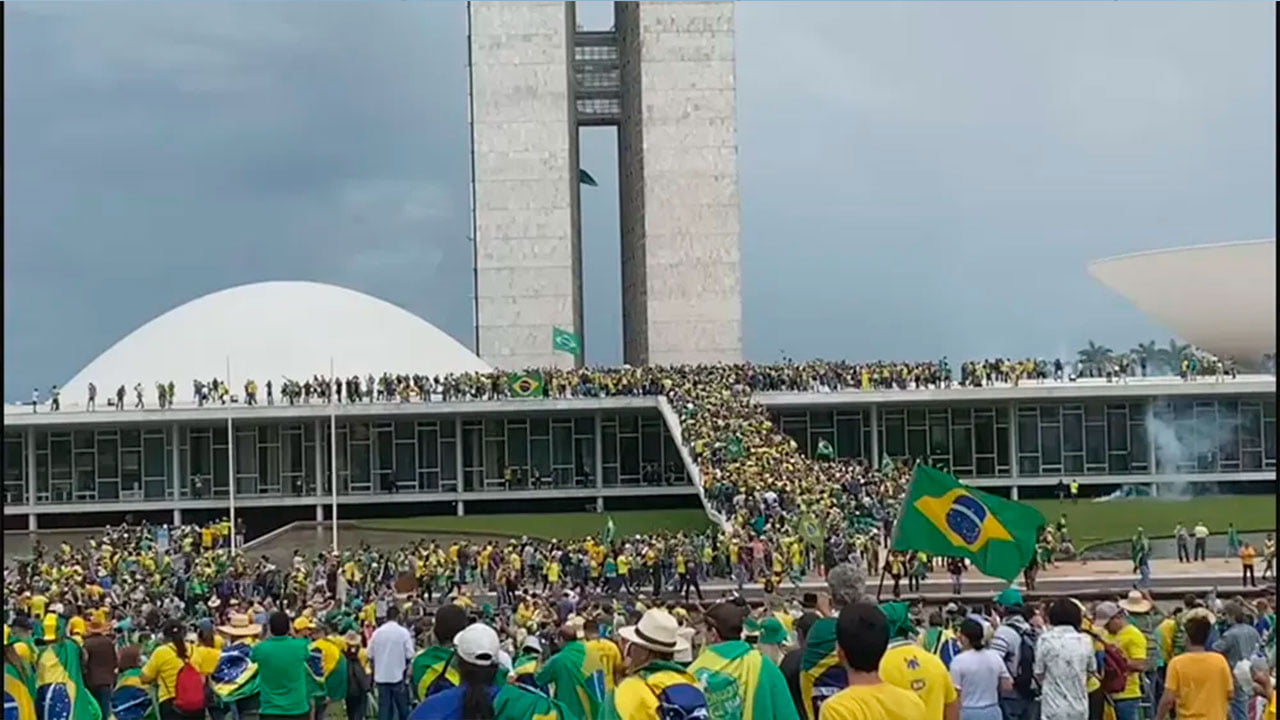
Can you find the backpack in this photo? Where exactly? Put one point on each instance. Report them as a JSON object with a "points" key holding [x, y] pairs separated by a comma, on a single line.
{"points": [[188, 690], [1024, 679], [680, 701], [1115, 669]]}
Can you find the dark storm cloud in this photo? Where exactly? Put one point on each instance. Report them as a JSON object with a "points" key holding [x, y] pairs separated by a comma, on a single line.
{"points": [[950, 169]]}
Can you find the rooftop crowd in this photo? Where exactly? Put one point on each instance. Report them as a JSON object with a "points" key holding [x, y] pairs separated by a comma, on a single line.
{"points": [[169, 623]]}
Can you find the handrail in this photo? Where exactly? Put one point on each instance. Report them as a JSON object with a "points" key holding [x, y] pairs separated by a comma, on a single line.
{"points": [[695, 475]]}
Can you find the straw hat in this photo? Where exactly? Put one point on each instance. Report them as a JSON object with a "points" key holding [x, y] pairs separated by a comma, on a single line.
{"points": [[238, 625], [657, 631], [1135, 602]]}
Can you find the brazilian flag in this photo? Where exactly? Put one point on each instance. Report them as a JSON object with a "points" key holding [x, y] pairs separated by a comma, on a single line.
{"points": [[941, 516], [526, 384], [825, 451], [236, 676], [433, 670], [522, 701], [131, 700], [19, 693], [60, 690]]}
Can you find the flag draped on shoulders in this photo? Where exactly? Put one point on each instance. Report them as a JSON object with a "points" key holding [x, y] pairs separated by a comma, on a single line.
{"points": [[575, 677], [131, 700], [328, 657], [941, 516], [433, 670], [821, 674], [19, 693], [60, 690], [741, 684], [236, 676], [520, 702]]}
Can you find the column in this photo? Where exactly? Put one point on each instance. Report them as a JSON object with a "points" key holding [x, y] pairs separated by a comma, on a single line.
{"points": [[1013, 450], [175, 464], [1151, 447], [599, 464], [461, 508], [457, 458], [177, 516], [231, 484], [33, 523], [321, 470], [29, 454], [875, 436], [319, 517]]}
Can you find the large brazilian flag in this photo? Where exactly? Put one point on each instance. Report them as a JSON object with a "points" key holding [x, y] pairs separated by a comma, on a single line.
{"points": [[526, 384], [60, 690], [941, 516], [131, 700], [236, 676], [433, 670]]}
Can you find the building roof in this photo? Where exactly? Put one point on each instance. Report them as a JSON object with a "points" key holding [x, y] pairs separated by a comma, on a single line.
{"points": [[1221, 298], [271, 331]]}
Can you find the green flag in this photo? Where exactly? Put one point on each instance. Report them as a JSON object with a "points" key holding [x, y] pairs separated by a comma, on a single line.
{"points": [[941, 516], [886, 464], [734, 449], [565, 341], [825, 451], [609, 531], [526, 384]]}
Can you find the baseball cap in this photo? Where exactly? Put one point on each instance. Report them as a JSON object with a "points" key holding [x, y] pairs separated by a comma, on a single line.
{"points": [[1009, 597], [1105, 611], [478, 644], [532, 643]]}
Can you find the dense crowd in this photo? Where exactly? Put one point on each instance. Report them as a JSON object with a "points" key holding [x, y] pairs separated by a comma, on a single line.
{"points": [[170, 623]]}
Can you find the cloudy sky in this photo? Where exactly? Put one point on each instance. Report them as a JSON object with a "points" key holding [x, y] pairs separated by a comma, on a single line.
{"points": [[917, 179]]}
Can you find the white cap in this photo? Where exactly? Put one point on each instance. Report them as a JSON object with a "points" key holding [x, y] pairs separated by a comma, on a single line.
{"points": [[478, 644], [532, 643]]}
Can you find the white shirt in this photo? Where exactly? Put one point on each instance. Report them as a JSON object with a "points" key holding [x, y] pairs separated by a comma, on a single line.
{"points": [[390, 652], [1064, 658], [977, 674]]}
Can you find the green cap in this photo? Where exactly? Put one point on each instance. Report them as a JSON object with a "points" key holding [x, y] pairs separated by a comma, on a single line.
{"points": [[772, 632], [1009, 597], [897, 616]]}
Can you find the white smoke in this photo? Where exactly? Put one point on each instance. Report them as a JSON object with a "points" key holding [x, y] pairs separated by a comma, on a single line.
{"points": [[1199, 438]]}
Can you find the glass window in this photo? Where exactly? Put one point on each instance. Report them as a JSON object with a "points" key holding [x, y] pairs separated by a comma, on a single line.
{"points": [[429, 450], [915, 417], [984, 434], [1029, 465], [561, 445], [246, 453], [962, 447], [108, 459], [961, 416], [1072, 433], [822, 419], [360, 476], [629, 455], [449, 464], [1139, 458], [1073, 463], [517, 446], [849, 437], [153, 458], [1117, 432], [984, 467], [1250, 426], [539, 427], [584, 425], [495, 457], [1028, 433], [1050, 413], [609, 445], [894, 440], [1118, 463], [1269, 440], [917, 443], [1093, 411], [939, 437], [386, 452], [406, 464], [494, 428], [1050, 445], [130, 438], [628, 424], [1095, 445], [1251, 460], [1002, 446]]}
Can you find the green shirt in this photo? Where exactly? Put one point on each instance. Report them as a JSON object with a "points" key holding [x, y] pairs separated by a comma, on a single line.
{"points": [[283, 677]]}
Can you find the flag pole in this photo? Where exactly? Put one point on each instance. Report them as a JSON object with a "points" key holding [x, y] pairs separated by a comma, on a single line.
{"points": [[333, 457]]}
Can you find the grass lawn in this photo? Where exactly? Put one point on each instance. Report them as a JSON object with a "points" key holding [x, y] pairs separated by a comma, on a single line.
{"points": [[1091, 523], [548, 525]]}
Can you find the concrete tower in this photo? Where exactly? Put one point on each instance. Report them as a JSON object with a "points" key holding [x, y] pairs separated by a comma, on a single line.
{"points": [[664, 76]]}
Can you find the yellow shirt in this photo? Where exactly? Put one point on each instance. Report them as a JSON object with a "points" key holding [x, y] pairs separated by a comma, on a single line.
{"points": [[636, 699], [1164, 637], [38, 604], [609, 657], [1133, 644], [909, 667], [1270, 712], [163, 666], [873, 702], [1201, 685]]}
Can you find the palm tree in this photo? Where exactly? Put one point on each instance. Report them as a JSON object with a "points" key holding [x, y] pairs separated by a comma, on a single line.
{"points": [[1095, 359], [1146, 355], [1171, 356]]}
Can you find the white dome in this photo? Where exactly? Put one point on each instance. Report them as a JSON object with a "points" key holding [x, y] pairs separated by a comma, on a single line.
{"points": [[1221, 298], [272, 331]]}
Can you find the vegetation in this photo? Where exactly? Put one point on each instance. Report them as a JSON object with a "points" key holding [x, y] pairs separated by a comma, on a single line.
{"points": [[548, 525], [1096, 360], [1092, 523]]}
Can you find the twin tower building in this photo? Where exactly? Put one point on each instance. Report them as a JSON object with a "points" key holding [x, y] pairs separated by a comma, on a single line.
{"points": [[664, 77]]}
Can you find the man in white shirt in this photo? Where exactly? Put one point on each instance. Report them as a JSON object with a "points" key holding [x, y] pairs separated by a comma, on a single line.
{"points": [[1064, 659], [390, 652]]}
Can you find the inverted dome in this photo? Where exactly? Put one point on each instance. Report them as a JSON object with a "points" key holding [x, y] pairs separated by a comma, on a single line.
{"points": [[272, 331], [1221, 298]]}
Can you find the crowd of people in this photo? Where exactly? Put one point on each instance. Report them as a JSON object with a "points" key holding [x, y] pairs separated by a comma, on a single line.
{"points": [[144, 623]]}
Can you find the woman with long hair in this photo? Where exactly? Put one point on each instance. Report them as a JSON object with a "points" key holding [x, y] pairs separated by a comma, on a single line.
{"points": [[476, 653], [162, 670], [979, 673]]}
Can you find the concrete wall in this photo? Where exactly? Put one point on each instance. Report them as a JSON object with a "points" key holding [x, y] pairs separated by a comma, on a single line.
{"points": [[678, 160], [524, 145]]}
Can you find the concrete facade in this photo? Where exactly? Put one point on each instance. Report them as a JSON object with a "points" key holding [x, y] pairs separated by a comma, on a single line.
{"points": [[678, 186], [524, 181]]}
